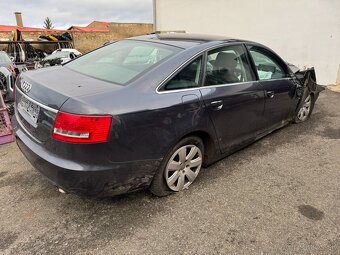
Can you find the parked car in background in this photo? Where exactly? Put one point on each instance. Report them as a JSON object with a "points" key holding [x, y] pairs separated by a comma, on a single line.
{"points": [[6, 61], [59, 57], [8, 73], [151, 111]]}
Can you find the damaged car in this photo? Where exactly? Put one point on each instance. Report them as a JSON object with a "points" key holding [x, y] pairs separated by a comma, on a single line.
{"points": [[7, 61], [7, 79], [8, 74], [152, 111], [58, 57]]}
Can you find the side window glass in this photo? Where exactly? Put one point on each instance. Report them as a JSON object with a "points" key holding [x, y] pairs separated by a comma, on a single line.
{"points": [[227, 65], [189, 77], [267, 66]]}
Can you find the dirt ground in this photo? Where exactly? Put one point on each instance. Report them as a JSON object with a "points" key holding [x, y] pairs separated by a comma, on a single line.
{"points": [[280, 195], [335, 88]]}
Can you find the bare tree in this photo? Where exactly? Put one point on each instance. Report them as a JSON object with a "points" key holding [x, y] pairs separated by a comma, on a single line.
{"points": [[48, 23]]}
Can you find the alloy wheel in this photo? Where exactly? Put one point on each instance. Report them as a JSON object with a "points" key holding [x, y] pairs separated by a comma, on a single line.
{"points": [[305, 109], [183, 167]]}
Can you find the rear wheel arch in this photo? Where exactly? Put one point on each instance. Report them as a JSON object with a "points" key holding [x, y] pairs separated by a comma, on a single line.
{"points": [[179, 167], [209, 145]]}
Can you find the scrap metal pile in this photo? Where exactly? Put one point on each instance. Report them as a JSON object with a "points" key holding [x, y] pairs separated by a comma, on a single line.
{"points": [[7, 80], [23, 51], [6, 131], [21, 55]]}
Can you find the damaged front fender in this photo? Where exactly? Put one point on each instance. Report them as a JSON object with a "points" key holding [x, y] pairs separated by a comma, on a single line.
{"points": [[307, 85]]}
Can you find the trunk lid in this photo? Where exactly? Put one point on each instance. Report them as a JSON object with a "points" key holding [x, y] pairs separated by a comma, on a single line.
{"points": [[41, 93]]}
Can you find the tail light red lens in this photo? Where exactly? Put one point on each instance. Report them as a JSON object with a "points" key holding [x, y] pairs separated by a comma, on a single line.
{"points": [[81, 128]]}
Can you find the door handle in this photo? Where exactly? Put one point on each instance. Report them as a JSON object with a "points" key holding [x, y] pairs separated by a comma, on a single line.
{"points": [[217, 105], [270, 94]]}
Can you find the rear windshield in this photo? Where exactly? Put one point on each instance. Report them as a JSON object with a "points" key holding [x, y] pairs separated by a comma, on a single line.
{"points": [[122, 61]]}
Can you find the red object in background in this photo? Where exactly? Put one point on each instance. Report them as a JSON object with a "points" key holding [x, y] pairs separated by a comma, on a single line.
{"points": [[6, 131], [11, 68]]}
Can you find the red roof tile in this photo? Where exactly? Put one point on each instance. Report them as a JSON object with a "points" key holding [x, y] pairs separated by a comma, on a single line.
{"points": [[88, 29], [5, 28], [103, 23]]}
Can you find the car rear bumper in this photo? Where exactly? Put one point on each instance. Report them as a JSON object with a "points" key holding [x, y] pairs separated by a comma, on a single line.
{"points": [[89, 180]]}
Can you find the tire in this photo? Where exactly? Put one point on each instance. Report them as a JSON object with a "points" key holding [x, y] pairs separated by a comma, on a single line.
{"points": [[179, 168], [305, 109]]}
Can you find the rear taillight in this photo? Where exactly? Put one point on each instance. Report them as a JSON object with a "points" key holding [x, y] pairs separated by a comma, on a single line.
{"points": [[81, 128]]}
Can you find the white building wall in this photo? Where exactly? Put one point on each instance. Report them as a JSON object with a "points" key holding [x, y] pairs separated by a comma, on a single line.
{"points": [[303, 32]]}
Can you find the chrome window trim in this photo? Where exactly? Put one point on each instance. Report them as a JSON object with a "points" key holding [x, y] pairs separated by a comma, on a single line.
{"points": [[210, 86], [175, 71], [286, 78], [219, 85], [229, 84], [177, 90], [36, 102], [185, 63]]}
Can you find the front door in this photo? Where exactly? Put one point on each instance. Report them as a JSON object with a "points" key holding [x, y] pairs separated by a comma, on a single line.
{"points": [[277, 84], [234, 99]]}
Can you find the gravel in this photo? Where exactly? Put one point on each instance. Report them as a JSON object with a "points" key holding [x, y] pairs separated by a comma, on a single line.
{"points": [[280, 195]]}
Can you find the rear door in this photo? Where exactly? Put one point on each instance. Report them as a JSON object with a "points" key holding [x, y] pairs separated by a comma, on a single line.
{"points": [[279, 89], [233, 96], [181, 93]]}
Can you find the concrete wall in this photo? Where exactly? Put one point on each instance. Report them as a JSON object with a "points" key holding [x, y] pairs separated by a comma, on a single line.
{"points": [[303, 32], [125, 29], [87, 41], [3, 35]]}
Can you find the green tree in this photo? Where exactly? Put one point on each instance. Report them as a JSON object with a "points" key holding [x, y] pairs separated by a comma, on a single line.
{"points": [[48, 23]]}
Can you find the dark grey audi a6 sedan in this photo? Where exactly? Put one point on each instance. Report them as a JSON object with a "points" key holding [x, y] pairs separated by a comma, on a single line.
{"points": [[151, 111]]}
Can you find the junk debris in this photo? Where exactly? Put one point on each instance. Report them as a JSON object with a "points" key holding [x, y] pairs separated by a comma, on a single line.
{"points": [[7, 80], [6, 131], [28, 53], [21, 55], [59, 57]]}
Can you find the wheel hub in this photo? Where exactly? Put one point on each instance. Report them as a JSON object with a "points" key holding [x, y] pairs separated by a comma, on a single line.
{"points": [[183, 167], [305, 109]]}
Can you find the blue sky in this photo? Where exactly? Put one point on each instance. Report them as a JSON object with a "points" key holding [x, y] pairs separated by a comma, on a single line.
{"points": [[65, 13]]}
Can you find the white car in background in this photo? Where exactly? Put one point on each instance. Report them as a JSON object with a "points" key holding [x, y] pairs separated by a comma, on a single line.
{"points": [[8, 73], [58, 57]]}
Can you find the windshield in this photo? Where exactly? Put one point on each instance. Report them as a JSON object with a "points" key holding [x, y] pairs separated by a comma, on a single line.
{"points": [[122, 61], [59, 54], [4, 58]]}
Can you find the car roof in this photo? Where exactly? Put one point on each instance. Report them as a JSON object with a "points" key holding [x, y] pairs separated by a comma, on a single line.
{"points": [[184, 40]]}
